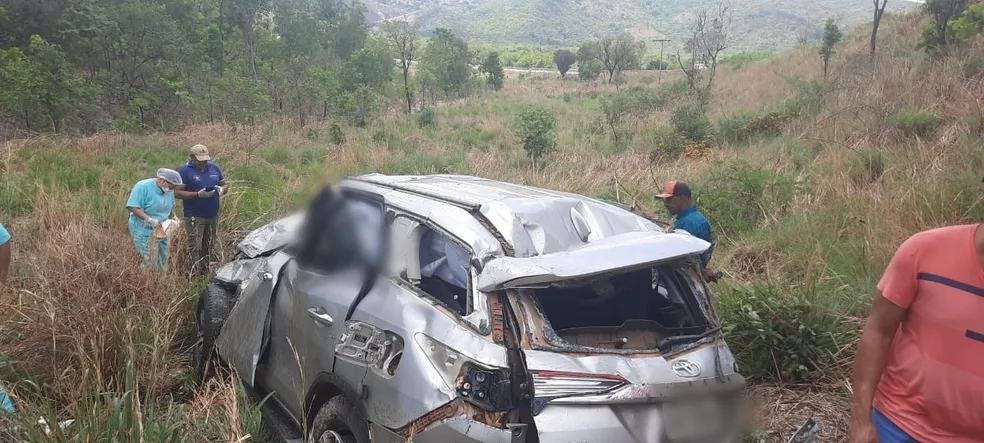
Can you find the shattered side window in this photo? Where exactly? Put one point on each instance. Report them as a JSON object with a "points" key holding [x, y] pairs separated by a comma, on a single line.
{"points": [[444, 271], [442, 258]]}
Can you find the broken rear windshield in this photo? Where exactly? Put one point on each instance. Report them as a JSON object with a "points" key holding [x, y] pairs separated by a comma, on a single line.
{"points": [[635, 310]]}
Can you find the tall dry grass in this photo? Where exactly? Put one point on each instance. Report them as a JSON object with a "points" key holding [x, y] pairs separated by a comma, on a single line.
{"points": [[87, 335]]}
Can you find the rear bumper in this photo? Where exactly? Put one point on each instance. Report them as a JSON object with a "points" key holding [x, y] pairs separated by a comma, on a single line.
{"points": [[456, 430], [635, 423]]}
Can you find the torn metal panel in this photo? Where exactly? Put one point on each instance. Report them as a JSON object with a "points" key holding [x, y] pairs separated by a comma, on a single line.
{"points": [[417, 387], [423, 428], [242, 337], [271, 236], [236, 272], [603, 256]]}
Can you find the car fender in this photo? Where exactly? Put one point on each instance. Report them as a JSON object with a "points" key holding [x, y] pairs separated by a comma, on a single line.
{"points": [[326, 386], [246, 331]]}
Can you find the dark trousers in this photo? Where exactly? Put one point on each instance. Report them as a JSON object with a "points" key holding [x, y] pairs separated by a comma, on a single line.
{"points": [[201, 235]]}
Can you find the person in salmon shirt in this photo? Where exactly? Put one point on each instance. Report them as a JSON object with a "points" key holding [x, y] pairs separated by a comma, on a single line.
{"points": [[919, 370]]}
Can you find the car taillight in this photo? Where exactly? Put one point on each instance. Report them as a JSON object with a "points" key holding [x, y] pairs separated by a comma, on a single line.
{"points": [[553, 384], [486, 387]]}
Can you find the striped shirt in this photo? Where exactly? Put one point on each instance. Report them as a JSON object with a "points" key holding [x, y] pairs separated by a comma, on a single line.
{"points": [[933, 384]]}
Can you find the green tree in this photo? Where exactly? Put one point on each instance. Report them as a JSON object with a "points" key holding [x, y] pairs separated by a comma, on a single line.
{"points": [[494, 75], [38, 84], [564, 59], [247, 15], [536, 128], [619, 53], [445, 62], [589, 50], [937, 32], [970, 23], [402, 36], [831, 36], [372, 65], [615, 108]]}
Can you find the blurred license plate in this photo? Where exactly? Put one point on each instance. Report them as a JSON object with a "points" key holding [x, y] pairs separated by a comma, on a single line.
{"points": [[692, 419]]}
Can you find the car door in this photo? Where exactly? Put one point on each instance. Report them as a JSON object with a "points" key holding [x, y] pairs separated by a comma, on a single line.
{"points": [[337, 257]]}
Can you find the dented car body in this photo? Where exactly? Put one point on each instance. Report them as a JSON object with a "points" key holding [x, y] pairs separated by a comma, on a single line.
{"points": [[458, 309]]}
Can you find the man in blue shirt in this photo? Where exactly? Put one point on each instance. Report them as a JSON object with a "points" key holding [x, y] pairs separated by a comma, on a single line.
{"points": [[4, 255], [679, 202], [203, 185]]}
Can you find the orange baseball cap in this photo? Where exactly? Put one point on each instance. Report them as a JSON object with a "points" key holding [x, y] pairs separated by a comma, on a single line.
{"points": [[675, 188]]}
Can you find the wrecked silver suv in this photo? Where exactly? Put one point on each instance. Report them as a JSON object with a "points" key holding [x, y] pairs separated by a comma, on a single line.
{"points": [[445, 308]]}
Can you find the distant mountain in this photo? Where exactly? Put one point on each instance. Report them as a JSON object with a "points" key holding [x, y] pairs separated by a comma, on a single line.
{"points": [[761, 25]]}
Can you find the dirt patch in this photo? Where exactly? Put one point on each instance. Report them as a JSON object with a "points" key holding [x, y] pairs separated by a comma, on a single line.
{"points": [[780, 411]]}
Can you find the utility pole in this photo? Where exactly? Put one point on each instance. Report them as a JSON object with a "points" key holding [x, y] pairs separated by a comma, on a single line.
{"points": [[661, 65]]}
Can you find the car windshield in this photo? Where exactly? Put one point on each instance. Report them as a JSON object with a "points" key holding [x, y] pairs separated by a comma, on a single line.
{"points": [[635, 310]]}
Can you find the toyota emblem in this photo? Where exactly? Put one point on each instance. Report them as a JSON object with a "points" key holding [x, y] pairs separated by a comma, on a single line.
{"points": [[686, 368]]}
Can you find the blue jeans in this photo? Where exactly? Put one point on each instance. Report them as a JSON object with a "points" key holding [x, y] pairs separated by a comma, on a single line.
{"points": [[888, 432]]}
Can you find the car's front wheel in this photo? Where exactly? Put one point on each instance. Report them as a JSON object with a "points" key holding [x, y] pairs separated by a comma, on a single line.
{"points": [[214, 304], [338, 421]]}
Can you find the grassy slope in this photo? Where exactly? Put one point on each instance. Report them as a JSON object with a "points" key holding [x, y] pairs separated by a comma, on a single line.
{"points": [[762, 25], [831, 199]]}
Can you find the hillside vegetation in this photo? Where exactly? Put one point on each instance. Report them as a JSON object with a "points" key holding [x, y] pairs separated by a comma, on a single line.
{"points": [[810, 185], [762, 25]]}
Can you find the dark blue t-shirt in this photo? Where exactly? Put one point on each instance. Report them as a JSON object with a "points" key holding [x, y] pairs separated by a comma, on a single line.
{"points": [[195, 180], [692, 221]]}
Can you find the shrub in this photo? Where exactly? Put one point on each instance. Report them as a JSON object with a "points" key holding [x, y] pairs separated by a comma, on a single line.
{"points": [[589, 70], [380, 136], [426, 118], [312, 134], [690, 122], [536, 128], [868, 167], [741, 59], [672, 92], [335, 134], [973, 67], [810, 96], [915, 122], [748, 125], [666, 143], [780, 336], [644, 100], [737, 196]]}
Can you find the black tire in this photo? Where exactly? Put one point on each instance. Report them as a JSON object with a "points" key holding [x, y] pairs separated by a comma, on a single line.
{"points": [[214, 304], [339, 417]]}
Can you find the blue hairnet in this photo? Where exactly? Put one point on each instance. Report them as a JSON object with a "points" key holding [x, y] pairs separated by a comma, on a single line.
{"points": [[169, 175]]}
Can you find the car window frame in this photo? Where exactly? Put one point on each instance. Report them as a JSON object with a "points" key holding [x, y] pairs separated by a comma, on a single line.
{"points": [[477, 315]]}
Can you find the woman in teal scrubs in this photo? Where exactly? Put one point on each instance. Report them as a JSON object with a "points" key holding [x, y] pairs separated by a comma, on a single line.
{"points": [[151, 202]]}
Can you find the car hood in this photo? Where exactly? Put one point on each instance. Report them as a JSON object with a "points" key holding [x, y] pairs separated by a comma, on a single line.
{"points": [[270, 237], [611, 254]]}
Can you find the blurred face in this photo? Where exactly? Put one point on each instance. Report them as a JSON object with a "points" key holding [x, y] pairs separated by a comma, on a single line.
{"points": [[200, 164], [164, 185], [675, 204]]}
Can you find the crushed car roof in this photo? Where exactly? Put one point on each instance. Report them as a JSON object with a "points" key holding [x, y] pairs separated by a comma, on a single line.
{"points": [[533, 221]]}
